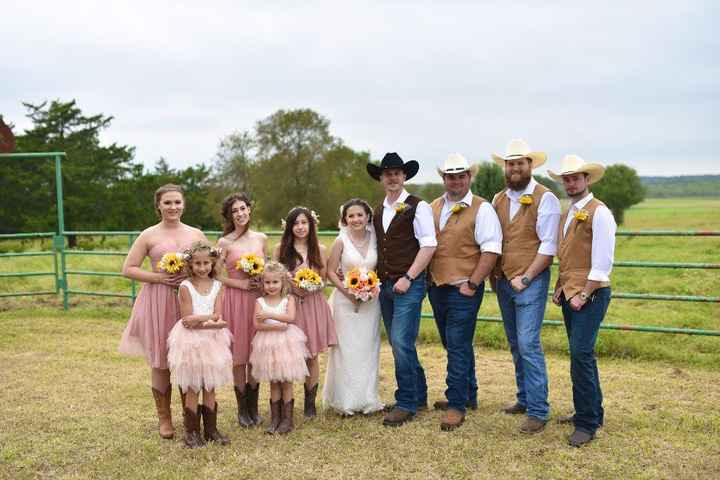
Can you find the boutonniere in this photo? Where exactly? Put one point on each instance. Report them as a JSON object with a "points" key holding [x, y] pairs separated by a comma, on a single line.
{"points": [[581, 215], [458, 207], [400, 207], [526, 199]]}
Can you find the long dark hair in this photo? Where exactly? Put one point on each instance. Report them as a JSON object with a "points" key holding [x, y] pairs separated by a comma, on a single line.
{"points": [[288, 255], [226, 211]]}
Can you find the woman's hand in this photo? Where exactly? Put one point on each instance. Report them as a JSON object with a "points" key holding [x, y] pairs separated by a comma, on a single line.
{"points": [[172, 279]]}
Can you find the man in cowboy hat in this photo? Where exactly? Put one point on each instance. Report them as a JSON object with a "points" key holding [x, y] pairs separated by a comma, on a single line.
{"points": [[469, 240], [405, 244], [529, 215], [586, 249]]}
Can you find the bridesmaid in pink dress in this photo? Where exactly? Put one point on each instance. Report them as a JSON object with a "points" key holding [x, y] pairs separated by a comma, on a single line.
{"points": [[239, 300], [156, 308], [299, 248]]}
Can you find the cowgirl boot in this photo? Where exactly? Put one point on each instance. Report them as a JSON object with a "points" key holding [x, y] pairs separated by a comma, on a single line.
{"points": [[192, 436], [210, 431], [310, 394], [286, 424], [162, 404], [275, 416], [252, 395], [242, 406]]}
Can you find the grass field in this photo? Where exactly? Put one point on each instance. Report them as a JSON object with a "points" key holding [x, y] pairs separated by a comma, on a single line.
{"points": [[654, 214], [73, 408]]}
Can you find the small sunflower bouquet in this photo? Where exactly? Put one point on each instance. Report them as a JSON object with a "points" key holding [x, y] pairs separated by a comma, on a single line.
{"points": [[308, 279], [171, 262], [362, 284], [251, 264]]}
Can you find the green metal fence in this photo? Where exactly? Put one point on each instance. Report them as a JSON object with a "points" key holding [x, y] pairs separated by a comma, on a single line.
{"points": [[63, 274]]}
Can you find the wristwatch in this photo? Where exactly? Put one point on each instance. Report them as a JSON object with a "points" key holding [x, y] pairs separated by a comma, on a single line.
{"points": [[584, 296], [472, 285], [525, 281], [409, 278]]}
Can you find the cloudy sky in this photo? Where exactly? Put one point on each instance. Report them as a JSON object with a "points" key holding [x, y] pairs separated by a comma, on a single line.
{"points": [[616, 82]]}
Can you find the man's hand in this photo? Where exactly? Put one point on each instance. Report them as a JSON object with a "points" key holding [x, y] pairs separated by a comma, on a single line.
{"points": [[401, 286], [516, 283], [577, 303], [466, 291]]}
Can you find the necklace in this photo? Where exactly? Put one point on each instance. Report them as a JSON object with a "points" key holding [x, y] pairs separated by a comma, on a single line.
{"points": [[360, 245]]}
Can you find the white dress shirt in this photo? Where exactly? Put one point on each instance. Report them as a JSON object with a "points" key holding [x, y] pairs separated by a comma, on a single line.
{"points": [[548, 217], [488, 232], [603, 239], [423, 223]]}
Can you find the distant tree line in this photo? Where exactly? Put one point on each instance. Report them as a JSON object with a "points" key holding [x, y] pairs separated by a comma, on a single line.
{"points": [[289, 158]]}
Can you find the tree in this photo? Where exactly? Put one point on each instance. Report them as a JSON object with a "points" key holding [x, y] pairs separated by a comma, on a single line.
{"points": [[619, 189], [291, 158], [89, 170], [489, 180], [551, 184]]}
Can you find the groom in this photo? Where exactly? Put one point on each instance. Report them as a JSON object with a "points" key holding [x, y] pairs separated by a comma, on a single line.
{"points": [[405, 243]]}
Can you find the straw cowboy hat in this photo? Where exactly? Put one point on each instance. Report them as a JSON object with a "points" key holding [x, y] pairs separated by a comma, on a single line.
{"points": [[516, 149], [456, 163], [393, 160], [574, 164]]}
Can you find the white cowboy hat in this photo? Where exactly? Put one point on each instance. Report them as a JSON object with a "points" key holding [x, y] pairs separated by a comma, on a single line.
{"points": [[456, 163], [518, 148], [574, 164]]}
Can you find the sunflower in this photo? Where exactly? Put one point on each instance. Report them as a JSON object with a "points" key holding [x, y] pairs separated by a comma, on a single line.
{"points": [[251, 264], [526, 199], [582, 215], [171, 262]]}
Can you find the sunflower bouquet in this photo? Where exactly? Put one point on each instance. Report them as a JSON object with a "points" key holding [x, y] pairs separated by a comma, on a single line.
{"points": [[308, 279], [171, 262], [362, 284], [251, 264]]}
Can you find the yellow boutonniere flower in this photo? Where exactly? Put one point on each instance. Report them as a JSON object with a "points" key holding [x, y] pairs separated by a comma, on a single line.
{"points": [[582, 215], [526, 199], [400, 207], [458, 207]]}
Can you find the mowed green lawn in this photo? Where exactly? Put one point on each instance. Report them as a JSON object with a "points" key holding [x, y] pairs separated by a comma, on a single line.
{"points": [[74, 408]]}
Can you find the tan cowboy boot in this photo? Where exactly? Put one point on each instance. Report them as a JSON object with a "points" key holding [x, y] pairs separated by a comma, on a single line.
{"points": [[210, 431], [286, 424], [451, 419], [162, 404]]}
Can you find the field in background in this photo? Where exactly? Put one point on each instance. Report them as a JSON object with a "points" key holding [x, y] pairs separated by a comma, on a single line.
{"points": [[656, 214]]}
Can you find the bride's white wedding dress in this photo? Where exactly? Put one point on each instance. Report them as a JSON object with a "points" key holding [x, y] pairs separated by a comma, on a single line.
{"points": [[351, 380]]}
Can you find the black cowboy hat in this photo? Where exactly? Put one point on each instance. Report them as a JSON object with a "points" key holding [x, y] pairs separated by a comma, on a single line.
{"points": [[393, 160]]}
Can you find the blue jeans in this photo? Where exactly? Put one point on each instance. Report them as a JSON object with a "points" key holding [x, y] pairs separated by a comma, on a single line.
{"points": [[401, 316], [456, 317], [582, 331], [523, 314]]}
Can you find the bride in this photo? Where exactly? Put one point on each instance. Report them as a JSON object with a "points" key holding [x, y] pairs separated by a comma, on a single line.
{"points": [[351, 381]]}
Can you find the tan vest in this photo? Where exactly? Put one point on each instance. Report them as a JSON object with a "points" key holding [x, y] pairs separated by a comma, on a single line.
{"points": [[575, 252], [457, 253], [520, 240]]}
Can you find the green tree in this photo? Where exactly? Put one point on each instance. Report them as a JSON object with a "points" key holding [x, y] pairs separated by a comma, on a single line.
{"points": [[291, 158], [90, 168], [489, 180], [619, 189], [551, 184]]}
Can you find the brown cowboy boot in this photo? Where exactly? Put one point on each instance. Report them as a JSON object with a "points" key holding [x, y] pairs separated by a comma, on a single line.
{"points": [[451, 419], [242, 405], [162, 404], [286, 424], [252, 395], [310, 394], [275, 416], [396, 417], [192, 436], [210, 431]]}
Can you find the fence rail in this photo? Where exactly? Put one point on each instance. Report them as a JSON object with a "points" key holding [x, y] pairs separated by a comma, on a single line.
{"points": [[60, 272]]}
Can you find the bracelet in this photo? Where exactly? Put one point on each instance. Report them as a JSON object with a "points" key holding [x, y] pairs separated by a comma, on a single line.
{"points": [[410, 279]]}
